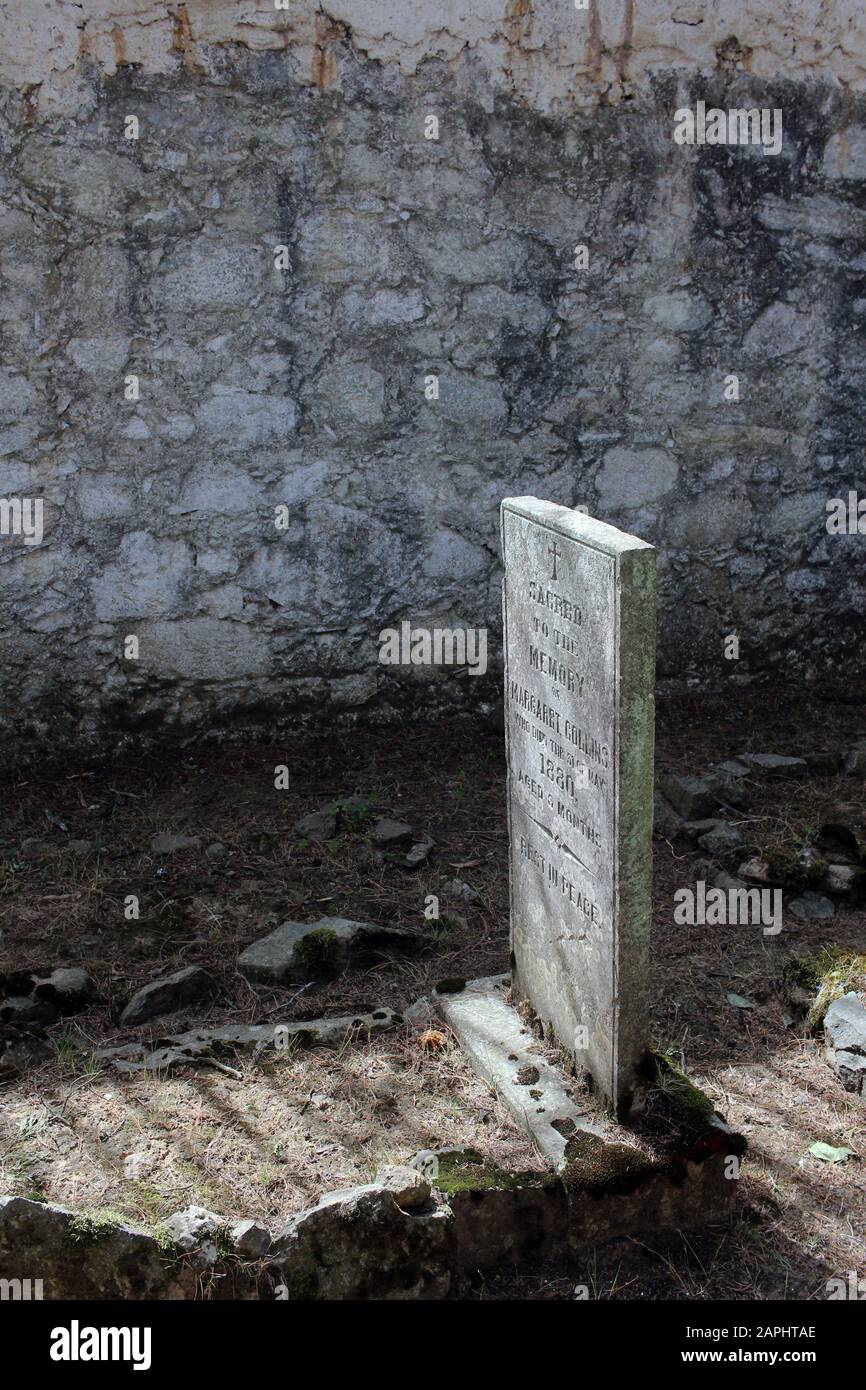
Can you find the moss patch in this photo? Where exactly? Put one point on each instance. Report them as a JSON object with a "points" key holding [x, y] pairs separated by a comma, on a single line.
{"points": [[469, 1172], [829, 975], [690, 1108], [319, 952], [354, 812], [88, 1228], [450, 985], [790, 867], [605, 1169]]}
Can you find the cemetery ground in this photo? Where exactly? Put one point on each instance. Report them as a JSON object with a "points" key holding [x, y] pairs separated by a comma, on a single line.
{"points": [[263, 1133]]}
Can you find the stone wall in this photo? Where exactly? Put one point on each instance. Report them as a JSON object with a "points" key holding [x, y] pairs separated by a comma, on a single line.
{"points": [[297, 379]]}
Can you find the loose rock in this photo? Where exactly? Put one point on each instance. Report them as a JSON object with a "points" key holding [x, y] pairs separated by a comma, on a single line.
{"points": [[70, 988], [756, 871], [250, 1240], [407, 1185], [722, 840], [691, 797], [206, 1046], [733, 767], [774, 765], [193, 1231], [318, 825], [842, 879], [845, 1040], [456, 888], [388, 834], [666, 821], [811, 907], [166, 995], [418, 854], [26, 1009], [173, 844], [311, 949]]}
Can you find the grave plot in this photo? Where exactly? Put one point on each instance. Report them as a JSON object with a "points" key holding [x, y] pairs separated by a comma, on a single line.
{"points": [[89, 1147], [579, 644], [244, 1039]]}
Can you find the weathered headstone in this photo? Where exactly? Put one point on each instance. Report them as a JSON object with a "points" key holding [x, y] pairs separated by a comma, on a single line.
{"points": [[579, 638]]}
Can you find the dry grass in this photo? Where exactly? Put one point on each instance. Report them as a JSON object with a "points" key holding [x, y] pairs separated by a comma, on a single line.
{"points": [[267, 1145]]}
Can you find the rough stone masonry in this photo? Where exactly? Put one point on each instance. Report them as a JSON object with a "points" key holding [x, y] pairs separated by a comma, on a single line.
{"points": [[579, 614], [170, 378]]}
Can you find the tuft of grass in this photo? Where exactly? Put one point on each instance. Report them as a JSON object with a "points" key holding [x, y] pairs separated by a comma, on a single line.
{"points": [[827, 975]]}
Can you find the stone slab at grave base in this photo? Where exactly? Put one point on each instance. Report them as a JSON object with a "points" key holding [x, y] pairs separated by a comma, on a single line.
{"points": [[667, 1170]]}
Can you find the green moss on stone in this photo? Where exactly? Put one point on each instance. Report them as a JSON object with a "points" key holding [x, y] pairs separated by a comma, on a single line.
{"points": [[469, 1172], [692, 1110], [452, 985], [789, 866], [604, 1169], [318, 952], [831, 974], [88, 1228], [168, 1246]]}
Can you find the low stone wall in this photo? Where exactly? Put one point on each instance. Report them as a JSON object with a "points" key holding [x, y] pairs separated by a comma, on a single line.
{"points": [[390, 1239]]}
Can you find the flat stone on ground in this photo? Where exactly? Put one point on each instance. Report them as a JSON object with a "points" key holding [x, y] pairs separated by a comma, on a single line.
{"points": [[291, 949], [500, 1046], [721, 840], [172, 844], [388, 834], [202, 1046], [774, 765], [166, 995], [811, 907]]}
